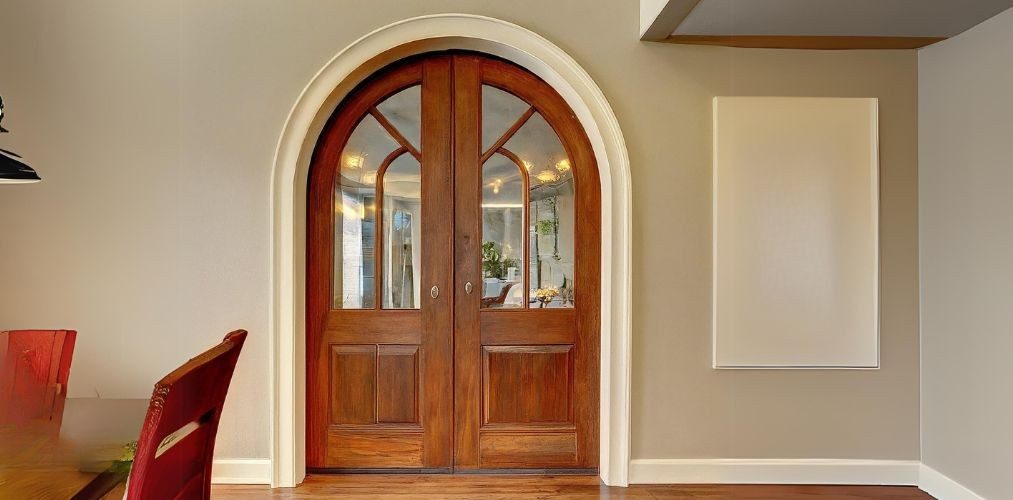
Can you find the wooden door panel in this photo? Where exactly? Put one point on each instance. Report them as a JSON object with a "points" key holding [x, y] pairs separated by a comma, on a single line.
{"points": [[510, 450], [375, 448], [353, 384], [378, 326], [532, 326], [528, 384], [397, 384]]}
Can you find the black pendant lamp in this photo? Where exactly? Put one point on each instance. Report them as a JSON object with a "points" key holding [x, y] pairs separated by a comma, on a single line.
{"points": [[12, 169]]}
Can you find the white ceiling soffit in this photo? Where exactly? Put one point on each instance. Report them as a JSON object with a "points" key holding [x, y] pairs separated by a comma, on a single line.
{"points": [[813, 18]]}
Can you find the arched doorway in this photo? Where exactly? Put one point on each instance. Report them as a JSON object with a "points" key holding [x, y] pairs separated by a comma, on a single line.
{"points": [[289, 199], [453, 298]]}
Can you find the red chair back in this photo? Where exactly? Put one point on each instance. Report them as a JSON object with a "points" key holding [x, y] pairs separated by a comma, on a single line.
{"points": [[177, 443], [34, 374]]}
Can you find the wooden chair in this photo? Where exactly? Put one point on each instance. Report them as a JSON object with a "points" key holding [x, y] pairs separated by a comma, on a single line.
{"points": [[174, 453], [34, 374], [501, 298]]}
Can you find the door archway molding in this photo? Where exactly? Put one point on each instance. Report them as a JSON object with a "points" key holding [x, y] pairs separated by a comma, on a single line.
{"points": [[315, 105]]}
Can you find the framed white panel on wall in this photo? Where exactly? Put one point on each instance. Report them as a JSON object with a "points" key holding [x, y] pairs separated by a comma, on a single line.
{"points": [[796, 232]]}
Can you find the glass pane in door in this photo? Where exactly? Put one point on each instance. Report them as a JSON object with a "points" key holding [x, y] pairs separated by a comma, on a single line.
{"points": [[550, 213], [503, 230], [500, 110], [354, 277], [404, 111], [402, 214]]}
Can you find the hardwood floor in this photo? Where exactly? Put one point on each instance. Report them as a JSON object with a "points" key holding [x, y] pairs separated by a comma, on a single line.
{"points": [[534, 487]]}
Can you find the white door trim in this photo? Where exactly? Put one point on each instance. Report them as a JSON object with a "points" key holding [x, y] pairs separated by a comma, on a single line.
{"points": [[291, 166]]}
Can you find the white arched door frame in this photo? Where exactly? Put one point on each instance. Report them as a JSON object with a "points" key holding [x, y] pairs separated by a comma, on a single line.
{"points": [[291, 168]]}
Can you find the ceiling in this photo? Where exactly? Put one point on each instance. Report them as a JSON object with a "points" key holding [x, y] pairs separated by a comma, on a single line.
{"points": [[926, 19]]}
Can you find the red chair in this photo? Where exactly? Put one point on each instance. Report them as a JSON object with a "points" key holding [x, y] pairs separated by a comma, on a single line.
{"points": [[34, 374], [174, 453]]}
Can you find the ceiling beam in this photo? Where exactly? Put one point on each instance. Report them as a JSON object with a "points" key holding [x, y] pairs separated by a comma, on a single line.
{"points": [[805, 42], [660, 18]]}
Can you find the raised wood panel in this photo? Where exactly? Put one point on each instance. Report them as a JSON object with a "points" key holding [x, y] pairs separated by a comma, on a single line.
{"points": [[381, 327], [374, 449], [532, 326], [353, 384], [528, 384], [397, 383], [531, 451]]}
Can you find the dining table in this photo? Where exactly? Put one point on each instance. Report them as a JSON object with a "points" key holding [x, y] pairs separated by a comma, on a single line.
{"points": [[85, 449]]}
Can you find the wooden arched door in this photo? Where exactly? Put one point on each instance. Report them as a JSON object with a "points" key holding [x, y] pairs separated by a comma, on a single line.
{"points": [[453, 274]]}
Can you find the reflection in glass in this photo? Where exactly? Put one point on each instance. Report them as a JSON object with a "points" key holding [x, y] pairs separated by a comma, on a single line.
{"points": [[551, 213], [404, 111], [402, 211], [500, 110], [355, 215], [502, 233]]}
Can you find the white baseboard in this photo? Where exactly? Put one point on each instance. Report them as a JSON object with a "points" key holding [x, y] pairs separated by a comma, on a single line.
{"points": [[241, 471], [938, 485], [774, 471]]}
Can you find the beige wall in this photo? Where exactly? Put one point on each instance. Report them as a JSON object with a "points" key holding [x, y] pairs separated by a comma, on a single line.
{"points": [[966, 219], [154, 125]]}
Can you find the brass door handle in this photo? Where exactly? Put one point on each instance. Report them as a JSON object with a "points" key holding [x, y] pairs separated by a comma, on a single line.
{"points": [[468, 287], [434, 291]]}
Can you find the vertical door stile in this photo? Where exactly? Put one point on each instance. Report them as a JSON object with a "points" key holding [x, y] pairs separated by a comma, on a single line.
{"points": [[438, 263], [467, 243]]}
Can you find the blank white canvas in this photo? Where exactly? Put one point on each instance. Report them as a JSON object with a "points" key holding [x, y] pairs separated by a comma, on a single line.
{"points": [[795, 221]]}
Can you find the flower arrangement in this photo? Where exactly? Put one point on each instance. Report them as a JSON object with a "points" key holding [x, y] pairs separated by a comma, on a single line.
{"points": [[545, 295]]}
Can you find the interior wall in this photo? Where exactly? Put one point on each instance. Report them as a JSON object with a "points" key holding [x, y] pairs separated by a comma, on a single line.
{"points": [[966, 193], [154, 126]]}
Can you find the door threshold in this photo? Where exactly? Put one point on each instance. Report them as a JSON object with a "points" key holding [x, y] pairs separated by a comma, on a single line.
{"points": [[451, 471], [348, 470]]}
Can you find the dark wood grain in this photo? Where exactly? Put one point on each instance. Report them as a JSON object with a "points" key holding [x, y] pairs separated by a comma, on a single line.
{"points": [[375, 448], [529, 327], [397, 379], [353, 384], [437, 263], [527, 384], [467, 260]]}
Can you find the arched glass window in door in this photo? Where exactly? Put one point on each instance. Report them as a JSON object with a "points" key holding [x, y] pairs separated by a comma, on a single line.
{"points": [[377, 198], [527, 208]]}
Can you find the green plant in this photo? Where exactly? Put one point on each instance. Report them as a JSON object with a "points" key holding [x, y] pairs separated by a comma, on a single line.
{"points": [[545, 227], [493, 263]]}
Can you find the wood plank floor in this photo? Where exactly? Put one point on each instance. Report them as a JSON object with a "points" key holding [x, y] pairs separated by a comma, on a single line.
{"points": [[461, 487]]}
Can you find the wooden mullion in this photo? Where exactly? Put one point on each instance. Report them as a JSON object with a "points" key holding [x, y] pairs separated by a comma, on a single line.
{"points": [[526, 179], [389, 127], [508, 134]]}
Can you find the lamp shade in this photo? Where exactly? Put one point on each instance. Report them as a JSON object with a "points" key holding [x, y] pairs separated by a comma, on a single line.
{"points": [[13, 171]]}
